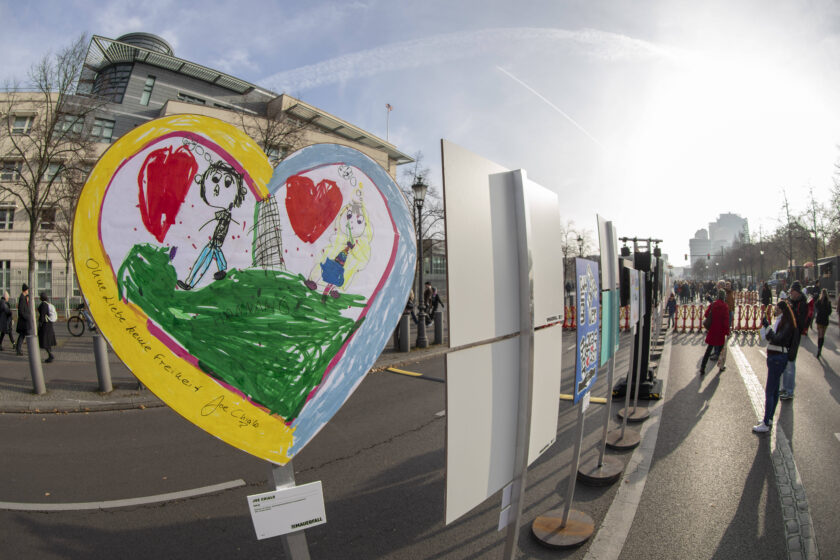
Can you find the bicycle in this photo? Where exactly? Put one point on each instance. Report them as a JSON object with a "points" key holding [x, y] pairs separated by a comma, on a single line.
{"points": [[76, 321]]}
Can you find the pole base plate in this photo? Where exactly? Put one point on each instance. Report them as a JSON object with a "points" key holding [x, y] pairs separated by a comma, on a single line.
{"points": [[630, 440], [638, 415], [546, 529], [591, 474]]}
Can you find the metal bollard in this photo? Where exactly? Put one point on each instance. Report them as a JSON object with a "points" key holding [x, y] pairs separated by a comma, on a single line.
{"points": [[405, 341], [438, 327], [103, 368], [35, 370]]}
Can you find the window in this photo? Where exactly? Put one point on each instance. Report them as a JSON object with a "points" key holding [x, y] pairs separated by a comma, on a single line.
{"points": [[111, 82], [70, 123], [5, 277], [102, 129], [276, 154], [48, 219], [43, 277], [438, 264], [7, 217], [10, 170], [22, 125], [190, 99], [147, 90], [54, 171]]}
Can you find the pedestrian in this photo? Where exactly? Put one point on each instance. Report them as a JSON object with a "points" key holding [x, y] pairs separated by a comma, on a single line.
{"points": [[435, 302], [670, 310], [46, 333], [24, 322], [797, 303], [766, 294], [780, 339], [718, 329], [823, 311], [427, 296], [409, 306], [6, 320]]}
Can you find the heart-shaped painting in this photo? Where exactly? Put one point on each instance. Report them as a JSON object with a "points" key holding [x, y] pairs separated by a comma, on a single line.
{"points": [[251, 302]]}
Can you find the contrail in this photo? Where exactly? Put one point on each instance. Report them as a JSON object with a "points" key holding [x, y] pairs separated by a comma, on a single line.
{"points": [[550, 104]]}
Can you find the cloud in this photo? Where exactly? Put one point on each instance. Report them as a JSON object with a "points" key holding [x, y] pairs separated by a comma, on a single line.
{"points": [[439, 49]]}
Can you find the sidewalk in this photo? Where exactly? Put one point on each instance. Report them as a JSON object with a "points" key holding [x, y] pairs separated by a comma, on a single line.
{"points": [[73, 385]]}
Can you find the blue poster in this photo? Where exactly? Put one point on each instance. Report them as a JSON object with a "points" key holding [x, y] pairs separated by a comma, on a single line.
{"points": [[588, 328]]}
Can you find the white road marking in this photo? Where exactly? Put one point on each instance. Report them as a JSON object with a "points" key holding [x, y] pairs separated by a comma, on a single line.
{"points": [[110, 504], [837, 436], [441, 413]]}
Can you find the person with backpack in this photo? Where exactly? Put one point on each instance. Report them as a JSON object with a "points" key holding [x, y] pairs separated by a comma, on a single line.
{"points": [[46, 333]]}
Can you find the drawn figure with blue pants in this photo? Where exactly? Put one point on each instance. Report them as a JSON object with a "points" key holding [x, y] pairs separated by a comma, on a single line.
{"points": [[222, 188]]}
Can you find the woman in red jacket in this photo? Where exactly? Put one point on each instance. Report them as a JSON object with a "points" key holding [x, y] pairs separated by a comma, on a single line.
{"points": [[718, 330]]}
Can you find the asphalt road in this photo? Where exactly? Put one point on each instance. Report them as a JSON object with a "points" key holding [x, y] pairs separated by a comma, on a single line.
{"points": [[710, 492]]}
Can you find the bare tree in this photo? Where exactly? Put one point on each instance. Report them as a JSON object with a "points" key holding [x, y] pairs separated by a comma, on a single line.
{"points": [[44, 136], [815, 218], [278, 133]]}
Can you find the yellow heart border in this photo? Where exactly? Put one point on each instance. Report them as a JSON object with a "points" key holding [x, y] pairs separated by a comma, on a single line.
{"points": [[186, 389]]}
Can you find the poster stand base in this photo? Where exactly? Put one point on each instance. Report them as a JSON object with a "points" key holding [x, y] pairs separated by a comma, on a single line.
{"points": [[637, 415], [630, 439], [591, 474], [548, 531]]}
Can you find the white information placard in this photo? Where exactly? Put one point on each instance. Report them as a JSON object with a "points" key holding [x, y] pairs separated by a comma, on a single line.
{"points": [[287, 510]]}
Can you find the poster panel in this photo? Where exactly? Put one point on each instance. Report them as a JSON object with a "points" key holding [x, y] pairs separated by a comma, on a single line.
{"points": [[588, 327], [251, 300]]}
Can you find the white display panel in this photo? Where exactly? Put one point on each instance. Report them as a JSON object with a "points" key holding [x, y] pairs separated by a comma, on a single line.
{"points": [[547, 265], [546, 390], [482, 262], [481, 387]]}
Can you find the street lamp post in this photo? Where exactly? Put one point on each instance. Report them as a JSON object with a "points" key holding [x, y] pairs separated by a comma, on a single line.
{"points": [[419, 188], [580, 246]]}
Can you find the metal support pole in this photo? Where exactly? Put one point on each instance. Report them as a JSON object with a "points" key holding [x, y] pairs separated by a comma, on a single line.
{"points": [[570, 492], [294, 544], [608, 410], [35, 370], [103, 368]]}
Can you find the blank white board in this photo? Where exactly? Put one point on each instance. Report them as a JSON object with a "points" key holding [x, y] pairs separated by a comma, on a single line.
{"points": [[545, 392], [482, 263], [482, 383], [547, 263]]}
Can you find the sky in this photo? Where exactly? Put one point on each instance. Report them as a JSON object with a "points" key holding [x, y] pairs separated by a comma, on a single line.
{"points": [[657, 115]]}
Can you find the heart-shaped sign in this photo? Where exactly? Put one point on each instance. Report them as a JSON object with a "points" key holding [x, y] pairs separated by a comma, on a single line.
{"points": [[249, 316], [311, 208]]}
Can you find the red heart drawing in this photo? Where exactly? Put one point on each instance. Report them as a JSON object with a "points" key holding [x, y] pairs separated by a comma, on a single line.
{"points": [[164, 181], [311, 208]]}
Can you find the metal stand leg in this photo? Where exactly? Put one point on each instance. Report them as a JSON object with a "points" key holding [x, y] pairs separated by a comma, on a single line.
{"points": [[103, 368], [574, 527], [294, 544], [599, 470], [621, 438]]}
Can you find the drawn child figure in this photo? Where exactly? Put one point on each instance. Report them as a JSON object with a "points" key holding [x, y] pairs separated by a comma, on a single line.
{"points": [[222, 188], [350, 246]]}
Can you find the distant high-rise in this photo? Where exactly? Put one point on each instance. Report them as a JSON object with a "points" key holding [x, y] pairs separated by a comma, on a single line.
{"points": [[722, 234]]}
